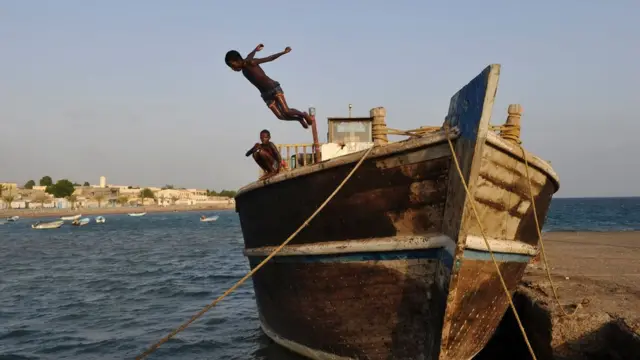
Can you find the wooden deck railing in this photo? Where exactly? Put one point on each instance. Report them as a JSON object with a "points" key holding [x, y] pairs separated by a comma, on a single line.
{"points": [[297, 155]]}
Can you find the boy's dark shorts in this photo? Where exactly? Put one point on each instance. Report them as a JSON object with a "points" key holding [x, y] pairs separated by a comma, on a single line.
{"points": [[269, 96]]}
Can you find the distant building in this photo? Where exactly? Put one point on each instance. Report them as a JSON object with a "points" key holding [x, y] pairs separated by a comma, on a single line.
{"points": [[103, 182], [9, 186]]}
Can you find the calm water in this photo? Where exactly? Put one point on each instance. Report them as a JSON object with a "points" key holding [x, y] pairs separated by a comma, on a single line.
{"points": [[107, 291]]}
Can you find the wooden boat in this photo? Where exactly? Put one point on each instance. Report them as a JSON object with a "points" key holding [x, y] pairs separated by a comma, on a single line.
{"points": [[209, 219], [396, 266], [138, 214], [48, 225], [100, 220], [71, 218], [81, 222]]}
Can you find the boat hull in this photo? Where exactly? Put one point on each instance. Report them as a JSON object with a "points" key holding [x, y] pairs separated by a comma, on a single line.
{"points": [[70, 218], [365, 305], [51, 225], [395, 266]]}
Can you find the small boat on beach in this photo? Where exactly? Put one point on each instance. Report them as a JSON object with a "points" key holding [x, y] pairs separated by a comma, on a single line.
{"points": [[13, 218], [81, 222], [138, 214], [100, 219], [47, 225], [71, 217], [209, 219], [397, 265]]}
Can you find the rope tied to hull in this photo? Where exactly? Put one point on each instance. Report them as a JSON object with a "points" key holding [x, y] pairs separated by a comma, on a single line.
{"points": [[509, 132], [542, 251], [421, 131], [255, 269], [484, 237]]}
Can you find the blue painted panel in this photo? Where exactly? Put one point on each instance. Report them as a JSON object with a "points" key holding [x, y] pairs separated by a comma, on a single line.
{"points": [[501, 257], [465, 107]]}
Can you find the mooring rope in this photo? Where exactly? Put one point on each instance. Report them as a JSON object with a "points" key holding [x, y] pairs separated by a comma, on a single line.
{"points": [[512, 132], [544, 254], [421, 131], [254, 270]]}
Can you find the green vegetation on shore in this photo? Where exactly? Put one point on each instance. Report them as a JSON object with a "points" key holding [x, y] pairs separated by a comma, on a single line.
{"points": [[61, 189], [65, 188]]}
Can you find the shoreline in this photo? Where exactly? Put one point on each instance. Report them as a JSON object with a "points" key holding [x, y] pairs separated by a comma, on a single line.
{"points": [[47, 213]]}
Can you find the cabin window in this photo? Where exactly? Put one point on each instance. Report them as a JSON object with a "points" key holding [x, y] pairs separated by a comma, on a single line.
{"points": [[351, 131]]}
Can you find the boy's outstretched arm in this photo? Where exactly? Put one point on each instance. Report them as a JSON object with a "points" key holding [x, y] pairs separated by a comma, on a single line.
{"points": [[270, 57], [254, 51]]}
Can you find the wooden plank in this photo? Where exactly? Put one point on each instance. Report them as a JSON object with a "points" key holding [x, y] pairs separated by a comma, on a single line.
{"points": [[329, 306], [304, 156], [398, 201], [470, 111]]}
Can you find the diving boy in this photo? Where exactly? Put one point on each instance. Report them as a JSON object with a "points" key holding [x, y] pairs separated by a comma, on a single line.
{"points": [[270, 89]]}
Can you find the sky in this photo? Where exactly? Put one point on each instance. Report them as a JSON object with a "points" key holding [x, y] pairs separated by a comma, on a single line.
{"points": [[138, 91]]}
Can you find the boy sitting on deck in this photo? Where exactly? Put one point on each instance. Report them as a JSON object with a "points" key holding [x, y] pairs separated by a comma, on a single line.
{"points": [[266, 155], [270, 89]]}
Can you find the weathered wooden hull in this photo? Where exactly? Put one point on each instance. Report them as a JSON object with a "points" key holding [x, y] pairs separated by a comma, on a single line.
{"points": [[394, 267]]}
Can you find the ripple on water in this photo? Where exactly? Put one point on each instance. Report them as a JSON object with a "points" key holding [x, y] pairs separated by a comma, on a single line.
{"points": [[108, 292]]}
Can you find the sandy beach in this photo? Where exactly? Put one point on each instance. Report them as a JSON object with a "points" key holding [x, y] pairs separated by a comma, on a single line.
{"points": [[39, 213], [599, 272]]}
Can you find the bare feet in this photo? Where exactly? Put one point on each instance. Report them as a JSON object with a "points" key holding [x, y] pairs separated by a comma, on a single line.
{"points": [[308, 118]]}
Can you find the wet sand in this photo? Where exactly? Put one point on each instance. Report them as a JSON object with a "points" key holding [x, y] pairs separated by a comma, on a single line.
{"points": [[597, 266], [38, 213]]}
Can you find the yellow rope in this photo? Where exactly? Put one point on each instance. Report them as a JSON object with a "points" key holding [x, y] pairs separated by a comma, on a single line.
{"points": [[254, 270], [484, 236], [414, 132], [544, 254], [508, 131]]}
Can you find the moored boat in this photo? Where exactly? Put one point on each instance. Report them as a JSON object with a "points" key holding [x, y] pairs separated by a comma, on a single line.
{"points": [[100, 219], [81, 222], [48, 225], [209, 219], [71, 217], [13, 218], [398, 266], [138, 214]]}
